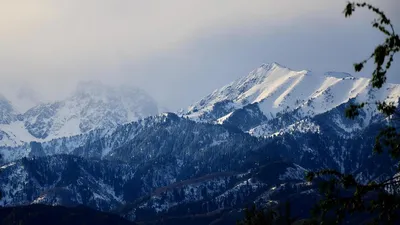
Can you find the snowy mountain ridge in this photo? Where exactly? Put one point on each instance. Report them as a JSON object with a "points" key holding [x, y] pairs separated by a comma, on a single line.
{"points": [[92, 106], [171, 166], [277, 90]]}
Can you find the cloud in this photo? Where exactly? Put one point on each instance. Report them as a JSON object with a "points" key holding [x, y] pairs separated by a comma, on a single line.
{"points": [[67, 34], [51, 44]]}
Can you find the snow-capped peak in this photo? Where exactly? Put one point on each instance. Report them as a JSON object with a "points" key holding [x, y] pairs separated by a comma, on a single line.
{"points": [[253, 88], [276, 89], [269, 66]]}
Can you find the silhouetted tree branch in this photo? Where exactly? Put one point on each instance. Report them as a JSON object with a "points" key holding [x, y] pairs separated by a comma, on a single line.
{"points": [[384, 206]]}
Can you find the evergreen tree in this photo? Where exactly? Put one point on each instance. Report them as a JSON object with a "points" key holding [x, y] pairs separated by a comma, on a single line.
{"points": [[276, 216]]}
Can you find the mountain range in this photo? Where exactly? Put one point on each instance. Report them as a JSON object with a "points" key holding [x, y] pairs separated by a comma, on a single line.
{"points": [[272, 90], [93, 105], [251, 141]]}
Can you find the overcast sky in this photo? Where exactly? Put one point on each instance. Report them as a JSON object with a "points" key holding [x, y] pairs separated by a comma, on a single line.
{"points": [[177, 50]]}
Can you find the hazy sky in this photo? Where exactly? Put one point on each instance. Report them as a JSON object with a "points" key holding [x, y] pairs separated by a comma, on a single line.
{"points": [[177, 50]]}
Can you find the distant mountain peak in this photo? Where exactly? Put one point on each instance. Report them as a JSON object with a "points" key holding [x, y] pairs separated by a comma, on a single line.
{"points": [[93, 105], [277, 90]]}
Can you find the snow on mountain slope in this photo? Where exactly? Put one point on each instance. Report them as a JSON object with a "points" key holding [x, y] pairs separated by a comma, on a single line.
{"points": [[277, 90], [15, 134], [92, 106], [64, 180], [143, 140]]}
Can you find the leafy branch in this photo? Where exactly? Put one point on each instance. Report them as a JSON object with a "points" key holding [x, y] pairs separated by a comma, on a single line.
{"points": [[343, 194], [384, 52]]}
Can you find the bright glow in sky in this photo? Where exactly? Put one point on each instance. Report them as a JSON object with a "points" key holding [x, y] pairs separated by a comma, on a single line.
{"points": [[177, 50]]}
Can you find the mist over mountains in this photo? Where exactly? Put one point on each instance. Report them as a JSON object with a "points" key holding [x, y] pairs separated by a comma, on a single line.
{"points": [[93, 105], [251, 141]]}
